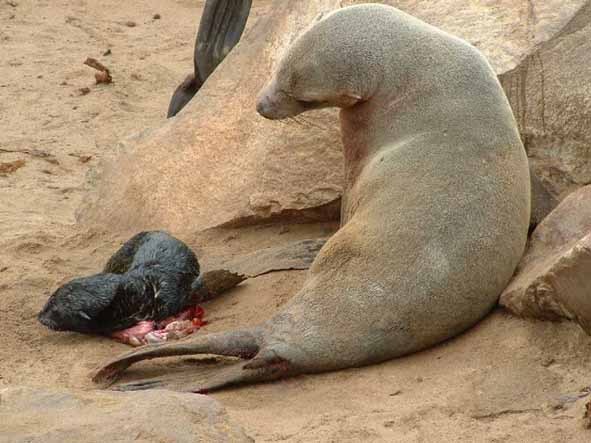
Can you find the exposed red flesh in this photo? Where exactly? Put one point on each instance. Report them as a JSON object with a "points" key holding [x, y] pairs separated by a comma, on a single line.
{"points": [[171, 328]]}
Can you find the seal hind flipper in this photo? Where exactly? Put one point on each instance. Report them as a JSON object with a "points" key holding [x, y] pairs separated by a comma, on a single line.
{"points": [[121, 260], [211, 284], [220, 29], [230, 375], [243, 344]]}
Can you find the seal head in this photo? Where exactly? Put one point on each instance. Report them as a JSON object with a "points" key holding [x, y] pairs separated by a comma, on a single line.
{"points": [[76, 305]]}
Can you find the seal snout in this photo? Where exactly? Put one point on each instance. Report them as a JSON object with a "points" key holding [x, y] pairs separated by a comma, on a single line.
{"points": [[263, 108], [278, 106], [268, 105], [274, 104], [44, 317]]}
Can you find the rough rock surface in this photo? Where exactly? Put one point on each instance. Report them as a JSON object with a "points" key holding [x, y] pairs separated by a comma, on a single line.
{"points": [[542, 201], [219, 163], [550, 94], [31, 415], [294, 256], [506, 31], [553, 279]]}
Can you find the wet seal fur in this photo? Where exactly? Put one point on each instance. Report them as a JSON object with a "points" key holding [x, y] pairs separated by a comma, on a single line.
{"points": [[220, 29], [435, 209], [153, 276]]}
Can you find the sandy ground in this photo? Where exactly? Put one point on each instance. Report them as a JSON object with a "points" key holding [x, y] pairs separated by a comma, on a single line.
{"points": [[507, 380]]}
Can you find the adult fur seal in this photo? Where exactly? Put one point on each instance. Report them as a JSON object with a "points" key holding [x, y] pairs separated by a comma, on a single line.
{"points": [[220, 29], [435, 211], [151, 279]]}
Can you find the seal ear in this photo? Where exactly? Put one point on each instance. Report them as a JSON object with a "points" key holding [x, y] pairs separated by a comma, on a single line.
{"points": [[349, 99]]}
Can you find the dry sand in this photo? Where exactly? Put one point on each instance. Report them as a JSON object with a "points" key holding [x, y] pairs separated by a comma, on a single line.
{"points": [[507, 380]]}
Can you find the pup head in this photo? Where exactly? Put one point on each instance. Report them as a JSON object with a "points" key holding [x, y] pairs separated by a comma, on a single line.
{"points": [[76, 305]]}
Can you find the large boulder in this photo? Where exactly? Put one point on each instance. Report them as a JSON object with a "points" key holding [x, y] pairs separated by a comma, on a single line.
{"points": [[550, 92], [32, 415], [506, 31], [553, 280], [218, 163]]}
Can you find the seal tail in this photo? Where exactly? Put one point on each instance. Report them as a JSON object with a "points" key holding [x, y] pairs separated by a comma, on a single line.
{"points": [[242, 344]]}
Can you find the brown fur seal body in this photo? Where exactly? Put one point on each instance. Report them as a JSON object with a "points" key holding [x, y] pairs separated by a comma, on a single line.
{"points": [[435, 211]]}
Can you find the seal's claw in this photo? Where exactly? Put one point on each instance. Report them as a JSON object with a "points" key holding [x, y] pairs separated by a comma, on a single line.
{"points": [[107, 375], [140, 385]]}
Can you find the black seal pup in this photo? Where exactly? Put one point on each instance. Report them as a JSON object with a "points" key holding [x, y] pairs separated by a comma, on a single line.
{"points": [[220, 29], [147, 292], [435, 211]]}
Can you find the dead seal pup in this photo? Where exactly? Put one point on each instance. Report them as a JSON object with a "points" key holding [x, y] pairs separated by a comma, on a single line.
{"points": [[147, 292], [220, 29], [435, 208]]}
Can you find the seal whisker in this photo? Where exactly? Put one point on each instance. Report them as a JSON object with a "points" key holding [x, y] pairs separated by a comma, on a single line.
{"points": [[310, 123]]}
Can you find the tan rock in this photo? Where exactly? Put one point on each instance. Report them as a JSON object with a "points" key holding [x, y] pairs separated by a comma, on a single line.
{"points": [[218, 163], [506, 31], [550, 92], [553, 280], [32, 415], [542, 201]]}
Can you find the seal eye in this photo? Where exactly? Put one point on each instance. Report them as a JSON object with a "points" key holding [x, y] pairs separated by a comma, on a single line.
{"points": [[312, 104]]}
